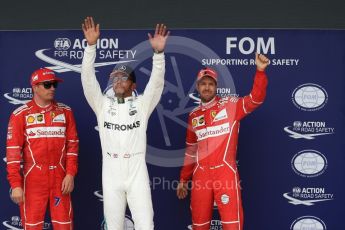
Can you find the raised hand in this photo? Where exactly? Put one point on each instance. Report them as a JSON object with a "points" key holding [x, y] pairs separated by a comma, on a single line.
{"points": [[91, 31], [261, 61], [158, 40]]}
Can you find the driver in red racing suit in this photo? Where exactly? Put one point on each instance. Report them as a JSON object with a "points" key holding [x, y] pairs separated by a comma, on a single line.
{"points": [[210, 157], [42, 135]]}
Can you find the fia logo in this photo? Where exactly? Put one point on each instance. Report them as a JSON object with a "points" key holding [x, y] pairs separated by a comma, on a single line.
{"points": [[62, 43]]}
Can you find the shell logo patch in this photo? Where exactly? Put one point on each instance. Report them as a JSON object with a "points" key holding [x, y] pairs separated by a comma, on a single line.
{"points": [[30, 119]]}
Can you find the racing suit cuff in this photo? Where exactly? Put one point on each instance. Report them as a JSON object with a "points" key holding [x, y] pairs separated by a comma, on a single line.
{"points": [[158, 56], [261, 76], [71, 173], [182, 180], [260, 71], [91, 48], [16, 185]]}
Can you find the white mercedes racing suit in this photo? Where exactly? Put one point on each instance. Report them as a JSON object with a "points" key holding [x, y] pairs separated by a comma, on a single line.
{"points": [[122, 129]]}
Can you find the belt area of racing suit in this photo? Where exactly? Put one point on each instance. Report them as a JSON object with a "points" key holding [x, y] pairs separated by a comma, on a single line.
{"points": [[124, 155], [48, 166], [219, 166], [203, 167]]}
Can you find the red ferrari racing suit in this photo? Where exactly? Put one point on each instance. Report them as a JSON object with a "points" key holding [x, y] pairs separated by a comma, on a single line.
{"points": [[210, 156], [45, 141]]}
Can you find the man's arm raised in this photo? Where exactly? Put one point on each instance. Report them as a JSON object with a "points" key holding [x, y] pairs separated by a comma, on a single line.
{"points": [[154, 87], [92, 89]]}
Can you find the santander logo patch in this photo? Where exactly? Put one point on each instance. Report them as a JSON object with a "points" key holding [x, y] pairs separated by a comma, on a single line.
{"points": [[47, 132], [213, 131]]}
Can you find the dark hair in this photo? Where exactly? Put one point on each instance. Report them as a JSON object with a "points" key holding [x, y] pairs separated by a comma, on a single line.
{"points": [[132, 77]]}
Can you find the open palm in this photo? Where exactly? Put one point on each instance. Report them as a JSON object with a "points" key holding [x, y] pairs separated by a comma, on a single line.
{"points": [[91, 31], [158, 40]]}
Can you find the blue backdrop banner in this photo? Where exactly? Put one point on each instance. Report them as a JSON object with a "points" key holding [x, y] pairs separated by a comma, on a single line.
{"points": [[290, 152]]}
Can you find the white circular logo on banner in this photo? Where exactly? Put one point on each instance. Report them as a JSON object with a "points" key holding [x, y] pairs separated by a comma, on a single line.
{"points": [[62, 43], [297, 124], [309, 97], [308, 223], [309, 163], [297, 190]]}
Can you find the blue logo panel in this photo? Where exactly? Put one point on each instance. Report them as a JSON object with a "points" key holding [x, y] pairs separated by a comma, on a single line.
{"points": [[290, 151]]}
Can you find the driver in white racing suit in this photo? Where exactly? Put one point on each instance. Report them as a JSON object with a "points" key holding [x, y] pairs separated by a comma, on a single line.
{"points": [[122, 121]]}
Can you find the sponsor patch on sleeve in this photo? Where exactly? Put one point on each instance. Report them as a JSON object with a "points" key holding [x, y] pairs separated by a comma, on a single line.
{"points": [[9, 131]]}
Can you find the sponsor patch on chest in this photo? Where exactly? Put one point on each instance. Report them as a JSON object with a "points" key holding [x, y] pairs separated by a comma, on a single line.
{"points": [[60, 118], [35, 119], [213, 131], [198, 121], [220, 115], [121, 127], [46, 132]]}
